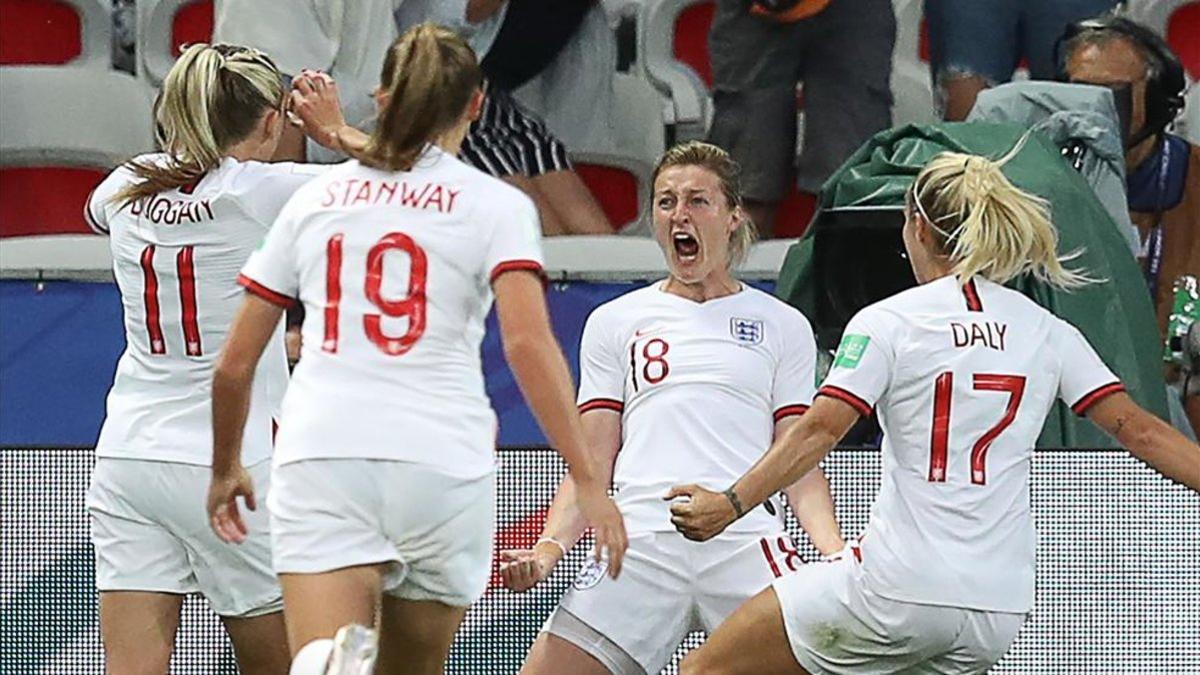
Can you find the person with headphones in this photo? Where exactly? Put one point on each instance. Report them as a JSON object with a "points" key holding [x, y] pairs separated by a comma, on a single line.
{"points": [[1162, 169]]}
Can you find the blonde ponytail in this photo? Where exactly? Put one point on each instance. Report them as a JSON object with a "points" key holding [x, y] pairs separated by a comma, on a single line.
{"points": [[986, 225], [211, 99], [429, 75]]}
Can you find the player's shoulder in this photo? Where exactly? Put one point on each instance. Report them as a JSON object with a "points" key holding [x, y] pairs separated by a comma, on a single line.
{"points": [[479, 187], [124, 174], [626, 307], [771, 306], [251, 177]]}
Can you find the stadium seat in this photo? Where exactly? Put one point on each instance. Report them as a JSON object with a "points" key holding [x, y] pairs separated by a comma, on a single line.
{"points": [[54, 150], [164, 26], [619, 174], [55, 32], [1183, 34], [672, 44]]}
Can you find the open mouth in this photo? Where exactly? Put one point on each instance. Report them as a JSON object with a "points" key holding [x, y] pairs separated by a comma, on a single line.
{"points": [[687, 247]]}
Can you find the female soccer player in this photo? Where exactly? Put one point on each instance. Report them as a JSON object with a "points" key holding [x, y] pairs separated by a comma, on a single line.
{"points": [[383, 494], [686, 379], [182, 223], [962, 372]]}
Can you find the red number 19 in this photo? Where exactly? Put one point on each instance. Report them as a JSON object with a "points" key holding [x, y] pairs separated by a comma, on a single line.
{"points": [[411, 305]]}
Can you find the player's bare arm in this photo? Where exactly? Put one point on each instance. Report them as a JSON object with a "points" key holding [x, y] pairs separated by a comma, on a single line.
{"points": [[1149, 439], [812, 502], [541, 371], [234, 373], [790, 458], [565, 524]]}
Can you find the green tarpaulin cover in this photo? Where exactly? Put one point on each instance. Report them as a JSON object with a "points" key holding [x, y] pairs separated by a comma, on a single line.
{"points": [[1116, 315]]}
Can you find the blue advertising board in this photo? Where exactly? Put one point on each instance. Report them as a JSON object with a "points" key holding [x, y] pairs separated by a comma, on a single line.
{"points": [[60, 341]]}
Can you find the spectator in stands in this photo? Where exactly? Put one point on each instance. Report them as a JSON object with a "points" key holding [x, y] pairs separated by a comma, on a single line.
{"points": [[978, 44], [516, 39], [1162, 169], [843, 54]]}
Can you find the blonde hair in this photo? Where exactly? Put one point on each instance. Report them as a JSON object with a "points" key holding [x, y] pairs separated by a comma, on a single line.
{"points": [[986, 225], [429, 75], [727, 171], [212, 98]]}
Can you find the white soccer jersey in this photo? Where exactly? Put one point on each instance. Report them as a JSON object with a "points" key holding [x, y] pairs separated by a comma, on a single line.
{"points": [[176, 257], [699, 387], [962, 379], [395, 271]]}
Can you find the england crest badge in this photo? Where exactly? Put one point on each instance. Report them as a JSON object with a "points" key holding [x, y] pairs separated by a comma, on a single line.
{"points": [[746, 331], [591, 574]]}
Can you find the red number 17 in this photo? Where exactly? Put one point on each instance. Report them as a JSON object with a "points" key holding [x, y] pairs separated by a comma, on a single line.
{"points": [[940, 435]]}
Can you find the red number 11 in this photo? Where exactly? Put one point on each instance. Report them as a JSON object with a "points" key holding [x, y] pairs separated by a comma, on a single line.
{"points": [[940, 434]]}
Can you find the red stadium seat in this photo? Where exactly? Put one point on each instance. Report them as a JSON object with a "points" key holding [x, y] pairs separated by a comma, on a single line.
{"points": [[672, 47], [53, 150], [55, 32], [616, 189], [192, 23], [794, 213], [45, 200], [166, 25], [39, 32], [691, 39], [1183, 34]]}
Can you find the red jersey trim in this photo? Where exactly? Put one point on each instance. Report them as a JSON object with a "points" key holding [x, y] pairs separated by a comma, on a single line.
{"points": [[1095, 396], [844, 396], [273, 297], [971, 294], [789, 410], [518, 266], [601, 404]]}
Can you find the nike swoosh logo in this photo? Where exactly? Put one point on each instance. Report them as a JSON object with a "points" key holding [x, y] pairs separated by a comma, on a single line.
{"points": [[645, 331]]}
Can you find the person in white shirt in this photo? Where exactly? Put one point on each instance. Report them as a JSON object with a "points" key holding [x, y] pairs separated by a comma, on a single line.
{"points": [[382, 508], [962, 372], [182, 222], [687, 379]]}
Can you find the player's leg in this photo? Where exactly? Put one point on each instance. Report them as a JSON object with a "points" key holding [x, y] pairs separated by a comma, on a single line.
{"points": [[259, 643], [442, 528], [238, 581], [138, 630], [752, 640], [982, 640], [142, 571], [317, 605], [628, 626], [415, 635], [973, 45], [552, 653]]}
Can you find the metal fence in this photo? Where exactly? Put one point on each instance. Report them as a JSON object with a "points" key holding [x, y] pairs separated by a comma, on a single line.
{"points": [[1118, 576]]}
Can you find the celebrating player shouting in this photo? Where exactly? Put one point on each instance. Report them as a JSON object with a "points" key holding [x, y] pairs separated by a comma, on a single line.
{"points": [[687, 379], [962, 372]]}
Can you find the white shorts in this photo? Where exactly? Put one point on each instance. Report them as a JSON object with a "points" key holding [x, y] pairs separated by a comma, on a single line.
{"points": [[151, 533], [436, 530], [836, 624], [668, 587]]}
